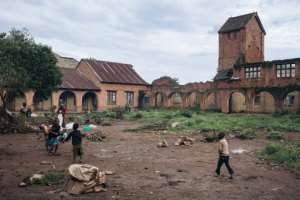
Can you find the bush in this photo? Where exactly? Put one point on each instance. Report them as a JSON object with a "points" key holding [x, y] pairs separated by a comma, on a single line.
{"points": [[210, 137], [187, 114], [246, 135], [97, 119], [138, 115], [275, 135]]}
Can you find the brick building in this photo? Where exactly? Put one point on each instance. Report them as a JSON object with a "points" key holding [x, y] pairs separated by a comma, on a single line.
{"points": [[244, 82], [89, 85]]}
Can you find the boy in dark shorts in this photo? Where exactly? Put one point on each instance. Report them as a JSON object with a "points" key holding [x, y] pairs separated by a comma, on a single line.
{"points": [[76, 136]]}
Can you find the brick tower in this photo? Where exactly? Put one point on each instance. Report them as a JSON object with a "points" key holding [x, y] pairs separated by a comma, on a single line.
{"points": [[241, 40]]}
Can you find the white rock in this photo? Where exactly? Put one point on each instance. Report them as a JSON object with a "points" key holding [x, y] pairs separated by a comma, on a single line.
{"points": [[175, 124]]}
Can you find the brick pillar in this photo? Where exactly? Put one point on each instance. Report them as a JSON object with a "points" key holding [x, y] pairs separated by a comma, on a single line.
{"points": [[225, 95], [78, 101], [55, 98], [29, 98]]}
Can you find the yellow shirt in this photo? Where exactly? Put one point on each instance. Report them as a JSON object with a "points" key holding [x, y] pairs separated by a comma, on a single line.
{"points": [[223, 147]]}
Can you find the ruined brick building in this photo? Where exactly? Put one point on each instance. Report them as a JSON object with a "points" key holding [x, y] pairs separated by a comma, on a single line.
{"points": [[244, 82]]}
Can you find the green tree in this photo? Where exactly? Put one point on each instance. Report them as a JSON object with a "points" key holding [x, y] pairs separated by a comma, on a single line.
{"points": [[26, 65]]}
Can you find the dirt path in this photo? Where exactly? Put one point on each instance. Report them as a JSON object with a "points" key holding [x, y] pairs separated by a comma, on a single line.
{"points": [[144, 171]]}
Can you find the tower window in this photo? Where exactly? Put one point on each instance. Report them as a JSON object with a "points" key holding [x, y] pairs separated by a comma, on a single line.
{"points": [[285, 70], [252, 72]]}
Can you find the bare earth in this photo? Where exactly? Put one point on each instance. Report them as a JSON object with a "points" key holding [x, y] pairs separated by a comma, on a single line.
{"points": [[144, 171]]}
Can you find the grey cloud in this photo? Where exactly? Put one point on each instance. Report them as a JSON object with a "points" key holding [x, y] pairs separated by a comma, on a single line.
{"points": [[166, 37]]}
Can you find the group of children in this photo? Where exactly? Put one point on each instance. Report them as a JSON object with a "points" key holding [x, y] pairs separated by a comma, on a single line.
{"points": [[56, 134]]}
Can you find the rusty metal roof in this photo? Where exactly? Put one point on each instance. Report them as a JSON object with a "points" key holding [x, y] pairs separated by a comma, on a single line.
{"points": [[239, 22], [112, 72], [73, 79]]}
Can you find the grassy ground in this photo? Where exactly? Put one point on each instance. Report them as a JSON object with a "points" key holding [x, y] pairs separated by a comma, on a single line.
{"points": [[191, 120], [286, 154]]}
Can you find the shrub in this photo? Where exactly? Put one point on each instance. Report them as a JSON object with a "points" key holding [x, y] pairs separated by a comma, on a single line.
{"points": [[187, 114], [210, 137], [97, 119], [246, 135], [275, 135], [138, 115]]}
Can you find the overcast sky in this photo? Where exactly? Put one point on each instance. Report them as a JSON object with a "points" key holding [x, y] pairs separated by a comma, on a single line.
{"points": [[177, 38]]}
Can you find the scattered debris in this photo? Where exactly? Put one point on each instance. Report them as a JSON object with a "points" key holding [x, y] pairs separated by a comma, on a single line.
{"points": [[109, 172], [22, 184], [162, 144], [175, 182], [96, 136], [46, 162], [239, 151], [84, 178], [277, 188], [36, 177], [184, 140]]}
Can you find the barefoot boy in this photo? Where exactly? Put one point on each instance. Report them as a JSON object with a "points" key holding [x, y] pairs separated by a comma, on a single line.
{"points": [[76, 136], [223, 155]]}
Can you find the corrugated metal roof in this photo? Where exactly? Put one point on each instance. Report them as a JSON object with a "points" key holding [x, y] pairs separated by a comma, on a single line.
{"points": [[111, 72], [72, 79], [239, 22]]}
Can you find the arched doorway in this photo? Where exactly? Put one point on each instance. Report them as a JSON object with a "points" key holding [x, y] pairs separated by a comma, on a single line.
{"points": [[193, 99], [264, 103], [159, 99], [291, 102], [89, 102], [175, 99], [15, 101], [68, 100], [40, 103], [237, 102], [210, 102]]}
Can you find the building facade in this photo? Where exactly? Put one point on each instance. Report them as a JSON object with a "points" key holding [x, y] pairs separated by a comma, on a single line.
{"points": [[244, 82], [88, 85]]}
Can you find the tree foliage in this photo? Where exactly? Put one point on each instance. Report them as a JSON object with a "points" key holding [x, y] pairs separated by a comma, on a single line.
{"points": [[26, 65]]}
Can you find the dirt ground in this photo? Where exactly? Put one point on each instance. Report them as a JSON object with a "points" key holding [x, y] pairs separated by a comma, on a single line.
{"points": [[144, 171]]}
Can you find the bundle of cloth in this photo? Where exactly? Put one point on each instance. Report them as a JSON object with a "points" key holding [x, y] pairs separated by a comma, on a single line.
{"points": [[84, 178]]}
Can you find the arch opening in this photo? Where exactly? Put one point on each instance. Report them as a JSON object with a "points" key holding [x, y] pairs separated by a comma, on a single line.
{"points": [[291, 102], [68, 100], [264, 103], [237, 102], [89, 102]]}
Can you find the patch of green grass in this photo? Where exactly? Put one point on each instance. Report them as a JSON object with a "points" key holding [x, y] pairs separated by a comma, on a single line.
{"points": [[286, 154], [193, 120], [275, 135]]}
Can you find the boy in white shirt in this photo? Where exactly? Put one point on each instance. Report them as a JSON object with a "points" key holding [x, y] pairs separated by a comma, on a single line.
{"points": [[223, 155]]}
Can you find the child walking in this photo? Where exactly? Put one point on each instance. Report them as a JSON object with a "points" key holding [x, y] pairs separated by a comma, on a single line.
{"points": [[223, 155], [76, 136]]}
